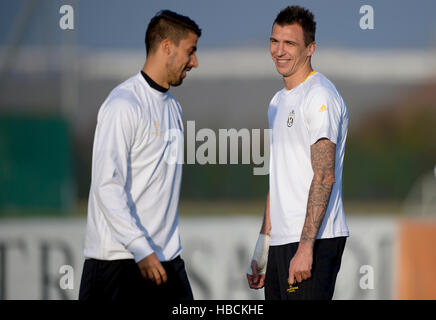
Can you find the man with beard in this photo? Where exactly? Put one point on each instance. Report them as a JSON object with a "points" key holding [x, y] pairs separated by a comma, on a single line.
{"points": [[132, 247]]}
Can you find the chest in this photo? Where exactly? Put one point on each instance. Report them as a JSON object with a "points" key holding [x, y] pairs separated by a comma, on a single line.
{"points": [[286, 117], [162, 128]]}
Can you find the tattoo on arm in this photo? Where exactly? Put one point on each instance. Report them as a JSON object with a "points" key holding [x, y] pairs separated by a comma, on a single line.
{"points": [[323, 164]]}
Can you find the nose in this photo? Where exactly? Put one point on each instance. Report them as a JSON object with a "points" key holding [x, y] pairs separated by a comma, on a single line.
{"points": [[193, 62], [280, 50]]}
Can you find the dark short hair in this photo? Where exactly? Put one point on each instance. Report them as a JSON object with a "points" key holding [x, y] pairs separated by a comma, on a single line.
{"points": [[298, 15], [167, 24]]}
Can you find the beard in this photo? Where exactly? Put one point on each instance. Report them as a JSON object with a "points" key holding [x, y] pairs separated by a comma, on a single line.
{"points": [[176, 82], [175, 75]]}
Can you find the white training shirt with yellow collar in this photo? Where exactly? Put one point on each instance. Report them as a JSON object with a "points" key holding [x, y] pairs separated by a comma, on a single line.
{"points": [[136, 175], [298, 118]]}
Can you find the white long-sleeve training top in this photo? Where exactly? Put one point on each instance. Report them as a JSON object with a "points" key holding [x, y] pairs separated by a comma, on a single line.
{"points": [[136, 175]]}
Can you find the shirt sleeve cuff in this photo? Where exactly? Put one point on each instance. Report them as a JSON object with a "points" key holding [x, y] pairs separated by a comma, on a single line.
{"points": [[140, 248], [322, 135]]}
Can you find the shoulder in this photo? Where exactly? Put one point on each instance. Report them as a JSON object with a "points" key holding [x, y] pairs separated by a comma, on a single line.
{"points": [[173, 100], [321, 90], [123, 100], [321, 87], [276, 98]]}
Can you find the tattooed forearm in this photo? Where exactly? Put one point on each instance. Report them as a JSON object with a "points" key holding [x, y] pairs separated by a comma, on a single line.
{"points": [[323, 164]]}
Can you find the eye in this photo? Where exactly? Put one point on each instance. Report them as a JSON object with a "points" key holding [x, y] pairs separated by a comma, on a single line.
{"points": [[192, 51]]}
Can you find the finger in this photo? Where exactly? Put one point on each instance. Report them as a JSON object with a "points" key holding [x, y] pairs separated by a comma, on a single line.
{"points": [[298, 277], [251, 282], [164, 277], [143, 273], [150, 275], [254, 270], [157, 277], [254, 286], [249, 278], [307, 275], [163, 274], [291, 279], [261, 281]]}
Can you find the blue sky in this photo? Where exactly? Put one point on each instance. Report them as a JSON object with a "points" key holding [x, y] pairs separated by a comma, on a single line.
{"points": [[106, 24]]}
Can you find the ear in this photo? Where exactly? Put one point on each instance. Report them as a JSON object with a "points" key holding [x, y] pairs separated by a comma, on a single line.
{"points": [[166, 46], [311, 49]]}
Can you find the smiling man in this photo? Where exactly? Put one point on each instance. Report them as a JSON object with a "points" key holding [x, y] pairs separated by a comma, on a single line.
{"points": [[132, 245], [299, 250]]}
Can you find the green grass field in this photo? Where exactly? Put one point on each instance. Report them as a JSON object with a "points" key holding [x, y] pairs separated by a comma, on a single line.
{"points": [[219, 208]]}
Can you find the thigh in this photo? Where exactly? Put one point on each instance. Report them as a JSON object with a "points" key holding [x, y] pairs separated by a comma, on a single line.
{"points": [[177, 286], [277, 274], [327, 255], [327, 263], [88, 283], [109, 280], [121, 280], [272, 289], [135, 287]]}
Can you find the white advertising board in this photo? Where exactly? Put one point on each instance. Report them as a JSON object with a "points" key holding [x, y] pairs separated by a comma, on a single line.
{"points": [[42, 258]]}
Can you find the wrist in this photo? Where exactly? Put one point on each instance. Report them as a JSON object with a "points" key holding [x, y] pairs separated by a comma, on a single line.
{"points": [[306, 245], [260, 254], [140, 249]]}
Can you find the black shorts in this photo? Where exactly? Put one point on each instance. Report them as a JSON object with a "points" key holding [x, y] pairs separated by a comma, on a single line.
{"points": [[122, 280], [327, 255]]}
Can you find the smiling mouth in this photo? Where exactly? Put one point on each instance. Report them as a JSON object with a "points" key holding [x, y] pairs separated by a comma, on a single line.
{"points": [[184, 72], [282, 61]]}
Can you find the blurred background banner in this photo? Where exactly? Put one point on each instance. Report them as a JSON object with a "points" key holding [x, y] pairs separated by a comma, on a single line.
{"points": [[385, 258], [60, 59], [42, 259]]}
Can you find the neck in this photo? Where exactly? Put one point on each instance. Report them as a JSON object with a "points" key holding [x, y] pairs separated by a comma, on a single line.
{"points": [[155, 71], [295, 79]]}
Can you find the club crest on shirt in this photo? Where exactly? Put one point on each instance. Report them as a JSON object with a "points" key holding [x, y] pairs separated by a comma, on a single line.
{"points": [[291, 118]]}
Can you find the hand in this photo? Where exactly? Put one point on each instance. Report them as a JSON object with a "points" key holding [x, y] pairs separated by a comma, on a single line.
{"points": [[152, 269], [300, 266], [255, 280]]}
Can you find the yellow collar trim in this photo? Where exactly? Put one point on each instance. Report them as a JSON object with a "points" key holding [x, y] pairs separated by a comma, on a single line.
{"points": [[313, 72]]}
